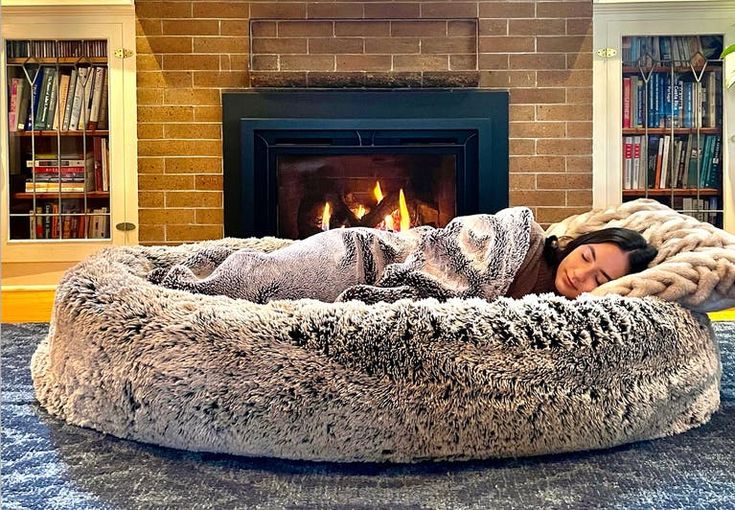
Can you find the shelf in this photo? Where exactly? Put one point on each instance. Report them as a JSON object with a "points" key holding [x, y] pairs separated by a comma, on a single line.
{"points": [[677, 192], [711, 66], [22, 195], [667, 131], [93, 132], [60, 60]]}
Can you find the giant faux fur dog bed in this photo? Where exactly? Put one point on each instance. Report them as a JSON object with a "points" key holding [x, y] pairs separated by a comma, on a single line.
{"points": [[401, 382]]}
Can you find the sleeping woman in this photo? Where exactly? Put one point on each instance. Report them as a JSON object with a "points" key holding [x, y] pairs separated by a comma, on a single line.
{"points": [[483, 256]]}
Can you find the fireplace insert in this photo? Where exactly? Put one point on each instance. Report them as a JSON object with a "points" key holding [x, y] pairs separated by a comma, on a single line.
{"points": [[300, 162]]}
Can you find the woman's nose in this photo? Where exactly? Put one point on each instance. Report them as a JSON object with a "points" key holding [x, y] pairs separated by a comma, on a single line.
{"points": [[582, 278]]}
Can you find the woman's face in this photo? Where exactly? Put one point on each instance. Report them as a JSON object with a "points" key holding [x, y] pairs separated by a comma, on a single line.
{"points": [[588, 266]]}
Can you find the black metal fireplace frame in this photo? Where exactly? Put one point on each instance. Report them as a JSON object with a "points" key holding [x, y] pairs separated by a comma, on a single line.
{"points": [[259, 126]]}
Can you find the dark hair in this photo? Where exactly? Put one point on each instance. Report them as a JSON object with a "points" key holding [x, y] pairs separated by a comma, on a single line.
{"points": [[640, 253]]}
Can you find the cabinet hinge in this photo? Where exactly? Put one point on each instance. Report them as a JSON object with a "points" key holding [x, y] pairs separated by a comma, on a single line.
{"points": [[607, 52], [126, 226], [123, 53]]}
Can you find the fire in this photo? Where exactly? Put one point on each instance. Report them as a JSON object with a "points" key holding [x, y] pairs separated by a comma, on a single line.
{"points": [[377, 192], [405, 218], [326, 215], [399, 219], [360, 211]]}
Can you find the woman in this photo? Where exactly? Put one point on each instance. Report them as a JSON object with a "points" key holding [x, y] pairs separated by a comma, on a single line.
{"points": [[580, 264], [483, 256]]}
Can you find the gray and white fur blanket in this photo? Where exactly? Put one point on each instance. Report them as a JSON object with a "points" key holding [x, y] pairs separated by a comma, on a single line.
{"points": [[473, 256]]}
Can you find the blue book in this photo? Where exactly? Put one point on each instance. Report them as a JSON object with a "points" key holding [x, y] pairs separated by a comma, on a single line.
{"points": [[715, 174], [35, 93], [706, 162]]}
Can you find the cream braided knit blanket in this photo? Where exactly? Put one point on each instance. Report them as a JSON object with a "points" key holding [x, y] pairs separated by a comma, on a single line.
{"points": [[695, 265]]}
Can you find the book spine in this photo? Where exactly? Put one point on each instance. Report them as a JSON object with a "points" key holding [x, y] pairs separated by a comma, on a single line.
{"points": [[637, 161], [626, 102], [46, 88], [78, 98], [13, 109], [57, 162], [627, 166], [96, 98], [102, 122], [97, 144], [105, 166], [35, 92], [69, 102], [715, 175], [87, 101], [665, 153], [51, 115], [23, 101], [61, 109]]}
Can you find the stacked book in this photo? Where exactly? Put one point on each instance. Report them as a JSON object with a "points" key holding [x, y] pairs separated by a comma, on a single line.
{"points": [[59, 100], [54, 174]]}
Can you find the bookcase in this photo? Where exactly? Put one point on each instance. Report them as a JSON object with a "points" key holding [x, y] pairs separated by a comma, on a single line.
{"points": [[662, 115], [69, 184]]}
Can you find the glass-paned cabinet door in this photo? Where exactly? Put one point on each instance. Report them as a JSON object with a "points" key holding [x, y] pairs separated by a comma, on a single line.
{"points": [[672, 122], [58, 140]]}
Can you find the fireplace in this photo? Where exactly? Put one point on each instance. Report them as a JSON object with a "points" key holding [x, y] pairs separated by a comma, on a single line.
{"points": [[297, 162]]}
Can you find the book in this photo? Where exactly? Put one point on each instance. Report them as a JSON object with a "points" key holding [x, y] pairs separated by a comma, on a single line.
{"points": [[35, 92], [714, 180], [60, 160], [637, 162], [96, 98], [56, 187], [23, 102], [665, 153], [626, 102], [88, 97], [13, 107], [659, 160], [76, 109], [68, 102], [41, 112], [61, 101], [51, 113], [102, 122], [105, 166]]}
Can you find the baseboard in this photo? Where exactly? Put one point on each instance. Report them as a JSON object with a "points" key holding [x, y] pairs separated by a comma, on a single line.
{"points": [[34, 304]]}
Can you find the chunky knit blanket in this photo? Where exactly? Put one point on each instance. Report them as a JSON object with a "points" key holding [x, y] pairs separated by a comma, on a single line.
{"points": [[695, 265], [473, 256]]}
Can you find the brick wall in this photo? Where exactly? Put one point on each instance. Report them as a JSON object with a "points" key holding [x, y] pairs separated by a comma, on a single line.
{"points": [[189, 51]]}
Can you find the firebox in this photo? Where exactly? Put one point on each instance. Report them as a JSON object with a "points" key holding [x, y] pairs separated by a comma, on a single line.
{"points": [[301, 162]]}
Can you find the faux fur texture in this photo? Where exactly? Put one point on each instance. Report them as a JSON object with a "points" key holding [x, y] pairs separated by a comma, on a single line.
{"points": [[473, 256], [695, 265], [399, 382]]}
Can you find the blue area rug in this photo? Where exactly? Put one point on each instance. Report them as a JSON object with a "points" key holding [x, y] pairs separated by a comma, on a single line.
{"points": [[48, 464]]}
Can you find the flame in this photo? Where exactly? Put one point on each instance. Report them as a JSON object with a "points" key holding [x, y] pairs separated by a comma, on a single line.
{"points": [[377, 192], [326, 215], [405, 218], [360, 211], [389, 222]]}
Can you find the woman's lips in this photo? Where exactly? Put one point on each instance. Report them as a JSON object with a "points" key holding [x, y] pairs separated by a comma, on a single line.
{"points": [[569, 281]]}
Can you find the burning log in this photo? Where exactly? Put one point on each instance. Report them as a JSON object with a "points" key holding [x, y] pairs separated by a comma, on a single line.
{"points": [[342, 212]]}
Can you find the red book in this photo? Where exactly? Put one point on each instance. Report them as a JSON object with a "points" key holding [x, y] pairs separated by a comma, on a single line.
{"points": [[626, 102], [627, 163]]}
